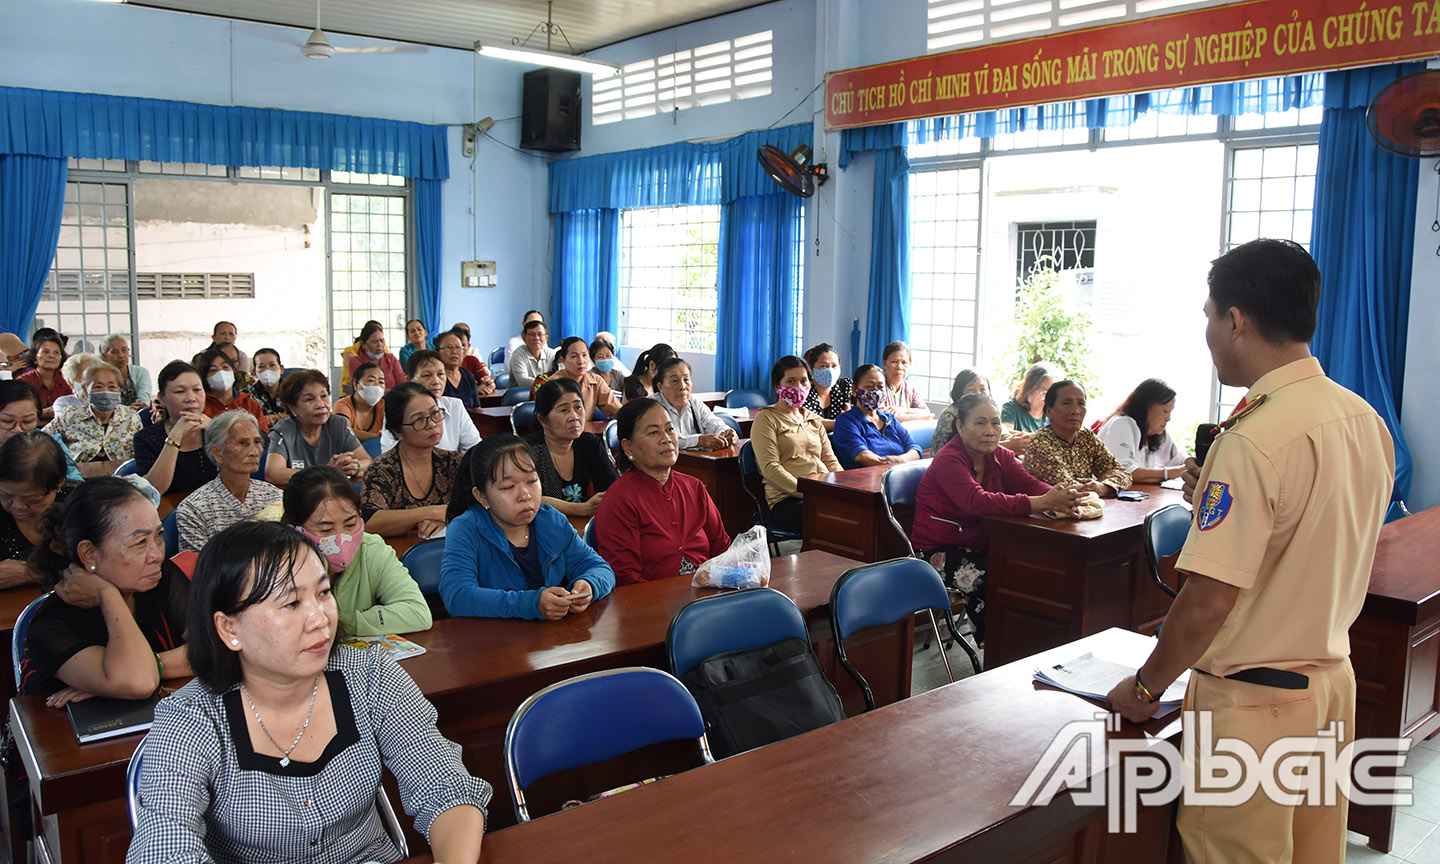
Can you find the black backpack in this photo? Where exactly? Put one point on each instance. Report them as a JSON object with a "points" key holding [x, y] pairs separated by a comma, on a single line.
{"points": [[757, 696]]}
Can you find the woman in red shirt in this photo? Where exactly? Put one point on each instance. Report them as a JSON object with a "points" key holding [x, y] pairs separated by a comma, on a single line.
{"points": [[221, 394], [371, 348], [654, 522], [49, 354]]}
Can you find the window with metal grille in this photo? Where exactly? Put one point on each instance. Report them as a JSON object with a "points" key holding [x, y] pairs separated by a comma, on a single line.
{"points": [[368, 260], [954, 24], [1068, 246], [195, 286], [669, 261], [710, 74], [944, 281], [275, 172], [87, 294]]}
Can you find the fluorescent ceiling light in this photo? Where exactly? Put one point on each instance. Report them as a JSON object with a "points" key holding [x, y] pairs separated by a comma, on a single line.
{"points": [[538, 57]]}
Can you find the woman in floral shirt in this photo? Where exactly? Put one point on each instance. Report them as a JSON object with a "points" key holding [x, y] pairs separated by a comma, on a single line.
{"points": [[101, 428]]}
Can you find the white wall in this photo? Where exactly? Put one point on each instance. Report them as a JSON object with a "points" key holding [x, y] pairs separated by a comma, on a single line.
{"points": [[1420, 411]]}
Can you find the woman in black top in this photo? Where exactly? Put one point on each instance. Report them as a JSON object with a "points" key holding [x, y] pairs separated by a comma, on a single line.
{"points": [[832, 395], [641, 384], [32, 472], [115, 625], [574, 466], [169, 453]]}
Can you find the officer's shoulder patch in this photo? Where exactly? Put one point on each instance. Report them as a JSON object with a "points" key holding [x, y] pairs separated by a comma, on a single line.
{"points": [[1214, 505]]}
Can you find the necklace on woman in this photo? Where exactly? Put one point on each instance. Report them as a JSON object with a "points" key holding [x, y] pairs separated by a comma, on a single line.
{"points": [[285, 758]]}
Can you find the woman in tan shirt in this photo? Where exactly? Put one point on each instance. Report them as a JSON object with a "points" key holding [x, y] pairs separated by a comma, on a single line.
{"points": [[573, 361], [789, 442]]}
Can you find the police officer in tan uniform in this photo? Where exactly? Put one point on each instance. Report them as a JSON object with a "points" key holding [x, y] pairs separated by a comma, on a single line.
{"points": [[1288, 507]]}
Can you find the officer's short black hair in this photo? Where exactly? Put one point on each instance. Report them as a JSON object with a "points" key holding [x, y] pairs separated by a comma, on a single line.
{"points": [[1274, 282]]}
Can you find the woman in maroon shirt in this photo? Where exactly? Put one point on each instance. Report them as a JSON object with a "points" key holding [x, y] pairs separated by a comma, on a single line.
{"points": [[49, 354], [973, 476], [654, 522]]}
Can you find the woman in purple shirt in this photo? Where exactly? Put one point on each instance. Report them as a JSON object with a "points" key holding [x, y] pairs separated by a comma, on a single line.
{"points": [[973, 476]]}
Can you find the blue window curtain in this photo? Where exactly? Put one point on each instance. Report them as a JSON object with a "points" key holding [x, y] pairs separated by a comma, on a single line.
{"points": [[887, 311], [753, 282], [1362, 237], [585, 298], [32, 194], [59, 125]]}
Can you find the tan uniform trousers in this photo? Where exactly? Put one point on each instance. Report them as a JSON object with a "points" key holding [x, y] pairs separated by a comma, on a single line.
{"points": [[1262, 831]]}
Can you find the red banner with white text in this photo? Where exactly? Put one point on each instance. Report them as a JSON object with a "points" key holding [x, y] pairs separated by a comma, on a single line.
{"points": [[1255, 39]]}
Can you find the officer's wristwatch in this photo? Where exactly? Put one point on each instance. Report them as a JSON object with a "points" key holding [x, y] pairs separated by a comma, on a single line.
{"points": [[1142, 692]]}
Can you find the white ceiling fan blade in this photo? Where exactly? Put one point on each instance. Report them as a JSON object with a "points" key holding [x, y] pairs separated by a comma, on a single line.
{"points": [[382, 49]]}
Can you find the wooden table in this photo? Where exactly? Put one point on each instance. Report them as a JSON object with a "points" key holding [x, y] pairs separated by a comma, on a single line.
{"points": [[927, 779], [845, 514], [719, 470], [1395, 649], [492, 420], [493, 400], [476, 672], [711, 398], [1054, 581]]}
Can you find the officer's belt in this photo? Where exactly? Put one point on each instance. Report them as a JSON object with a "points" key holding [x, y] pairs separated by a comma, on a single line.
{"points": [[1282, 679]]}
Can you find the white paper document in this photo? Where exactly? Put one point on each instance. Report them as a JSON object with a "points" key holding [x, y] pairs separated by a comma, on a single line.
{"points": [[1093, 678]]}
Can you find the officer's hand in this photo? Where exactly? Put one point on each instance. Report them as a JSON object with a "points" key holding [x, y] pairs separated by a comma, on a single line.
{"points": [[1124, 700], [1189, 479]]}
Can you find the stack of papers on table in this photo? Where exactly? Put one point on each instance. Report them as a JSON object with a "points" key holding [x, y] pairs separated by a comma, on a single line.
{"points": [[1093, 678]]}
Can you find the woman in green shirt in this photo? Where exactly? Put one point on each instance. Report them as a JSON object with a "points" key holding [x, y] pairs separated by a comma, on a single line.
{"points": [[373, 591], [1024, 414]]}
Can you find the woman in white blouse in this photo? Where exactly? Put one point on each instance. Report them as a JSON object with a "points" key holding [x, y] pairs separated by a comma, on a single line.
{"points": [[1136, 434], [696, 425], [459, 434]]}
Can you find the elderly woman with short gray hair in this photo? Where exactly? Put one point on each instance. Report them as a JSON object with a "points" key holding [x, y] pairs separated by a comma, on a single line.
{"points": [[232, 441]]}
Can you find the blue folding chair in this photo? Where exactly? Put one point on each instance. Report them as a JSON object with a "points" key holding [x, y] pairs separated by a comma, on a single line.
{"points": [[732, 621], [731, 422], [898, 488], [595, 717], [922, 432], [1165, 532], [878, 594], [423, 561], [497, 356], [522, 419], [372, 447], [126, 468], [502, 380], [17, 635], [515, 395], [172, 535], [589, 535], [755, 487], [259, 473], [747, 399], [612, 435]]}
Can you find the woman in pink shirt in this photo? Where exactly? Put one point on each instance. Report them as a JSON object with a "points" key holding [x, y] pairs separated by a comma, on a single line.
{"points": [[371, 348]]}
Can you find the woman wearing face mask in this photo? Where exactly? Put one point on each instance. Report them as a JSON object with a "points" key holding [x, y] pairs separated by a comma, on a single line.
{"points": [[409, 485], [573, 362], [695, 423], [416, 339], [374, 592], [427, 369], [168, 453], [365, 406], [789, 443], [507, 554], [372, 349], [103, 430], [831, 395], [867, 435], [606, 366], [221, 394], [233, 443], [32, 477], [574, 465], [265, 389]]}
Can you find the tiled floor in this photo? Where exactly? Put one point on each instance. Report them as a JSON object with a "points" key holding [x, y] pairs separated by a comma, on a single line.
{"points": [[1417, 827]]}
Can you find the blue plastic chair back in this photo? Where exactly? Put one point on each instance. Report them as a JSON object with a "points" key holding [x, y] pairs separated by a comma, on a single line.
{"points": [[522, 419], [17, 635], [595, 717], [132, 783], [921, 431], [515, 395], [128, 467], [730, 622], [423, 561], [502, 380], [1165, 532], [172, 535], [731, 422], [497, 356], [884, 593], [748, 465], [612, 435], [589, 535], [747, 399], [259, 473], [898, 488], [372, 447]]}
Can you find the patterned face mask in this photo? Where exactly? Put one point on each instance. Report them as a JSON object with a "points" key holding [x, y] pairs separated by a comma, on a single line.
{"points": [[793, 396], [870, 400]]}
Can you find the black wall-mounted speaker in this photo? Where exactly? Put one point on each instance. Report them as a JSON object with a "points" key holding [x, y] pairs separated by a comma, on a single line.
{"points": [[550, 110]]}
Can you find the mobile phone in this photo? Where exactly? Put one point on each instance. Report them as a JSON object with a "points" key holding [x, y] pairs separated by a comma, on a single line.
{"points": [[1132, 495]]}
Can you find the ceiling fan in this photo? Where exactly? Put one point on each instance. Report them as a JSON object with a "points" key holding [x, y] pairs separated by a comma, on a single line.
{"points": [[318, 47]]}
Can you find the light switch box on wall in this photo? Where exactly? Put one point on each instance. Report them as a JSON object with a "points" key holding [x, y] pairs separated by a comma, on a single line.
{"points": [[477, 274]]}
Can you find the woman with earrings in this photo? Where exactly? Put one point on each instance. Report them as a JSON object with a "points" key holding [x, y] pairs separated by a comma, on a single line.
{"points": [[275, 751], [364, 408], [789, 443], [508, 554], [831, 394], [221, 395], [115, 625]]}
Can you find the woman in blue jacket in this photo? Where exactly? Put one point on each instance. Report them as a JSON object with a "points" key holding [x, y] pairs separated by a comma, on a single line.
{"points": [[507, 555]]}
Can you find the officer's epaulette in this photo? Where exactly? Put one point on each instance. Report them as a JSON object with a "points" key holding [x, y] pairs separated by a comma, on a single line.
{"points": [[1249, 409]]}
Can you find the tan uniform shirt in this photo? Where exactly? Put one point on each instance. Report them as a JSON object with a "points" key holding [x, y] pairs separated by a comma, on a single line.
{"points": [[786, 448], [594, 391], [1288, 509]]}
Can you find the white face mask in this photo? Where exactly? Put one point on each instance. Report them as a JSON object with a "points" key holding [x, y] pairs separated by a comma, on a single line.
{"points": [[371, 394], [221, 381], [270, 377]]}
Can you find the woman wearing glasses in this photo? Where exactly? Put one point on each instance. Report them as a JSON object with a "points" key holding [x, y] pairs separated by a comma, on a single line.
{"points": [[408, 486]]}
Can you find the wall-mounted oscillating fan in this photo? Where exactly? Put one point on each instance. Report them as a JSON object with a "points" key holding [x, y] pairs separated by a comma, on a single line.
{"points": [[793, 170], [1405, 117]]}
